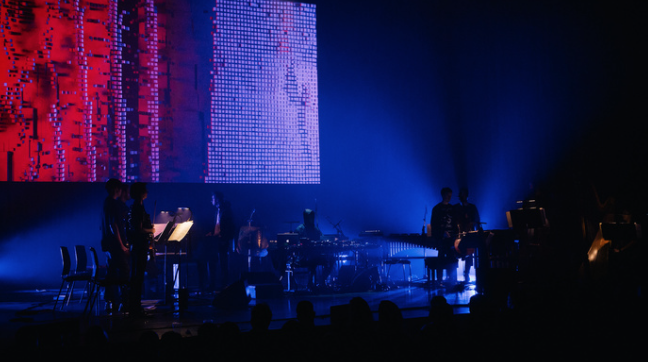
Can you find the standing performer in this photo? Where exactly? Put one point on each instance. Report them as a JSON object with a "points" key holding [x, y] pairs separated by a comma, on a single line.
{"points": [[215, 247], [113, 243], [444, 232], [467, 221], [141, 232], [124, 199]]}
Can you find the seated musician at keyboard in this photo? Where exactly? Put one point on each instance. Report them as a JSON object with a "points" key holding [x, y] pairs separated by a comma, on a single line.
{"points": [[312, 258], [308, 230]]}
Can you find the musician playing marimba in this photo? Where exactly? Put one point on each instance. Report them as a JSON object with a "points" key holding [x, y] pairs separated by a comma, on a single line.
{"points": [[467, 219], [444, 232]]}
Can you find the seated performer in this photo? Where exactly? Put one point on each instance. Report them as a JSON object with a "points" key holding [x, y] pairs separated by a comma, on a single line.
{"points": [[444, 232], [308, 230], [313, 258]]}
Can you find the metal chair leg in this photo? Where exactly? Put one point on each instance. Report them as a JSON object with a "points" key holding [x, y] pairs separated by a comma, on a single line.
{"points": [[91, 297], [71, 294], [58, 295]]}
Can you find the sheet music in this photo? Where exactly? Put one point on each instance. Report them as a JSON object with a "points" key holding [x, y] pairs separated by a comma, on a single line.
{"points": [[180, 230], [159, 228]]}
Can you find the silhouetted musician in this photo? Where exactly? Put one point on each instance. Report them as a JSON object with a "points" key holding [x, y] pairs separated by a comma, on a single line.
{"points": [[214, 248], [309, 233], [444, 232], [114, 244], [467, 219], [308, 230], [140, 237]]}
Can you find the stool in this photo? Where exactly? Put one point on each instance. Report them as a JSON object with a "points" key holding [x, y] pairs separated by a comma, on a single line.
{"points": [[403, 262], [431, 266]]}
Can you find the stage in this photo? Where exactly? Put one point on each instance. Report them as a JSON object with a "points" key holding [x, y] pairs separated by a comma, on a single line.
{"points": [[545, 313], [25, 309]]}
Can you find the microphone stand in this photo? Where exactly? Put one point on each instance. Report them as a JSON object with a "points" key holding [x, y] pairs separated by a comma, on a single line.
{"points": [[337, 228]]}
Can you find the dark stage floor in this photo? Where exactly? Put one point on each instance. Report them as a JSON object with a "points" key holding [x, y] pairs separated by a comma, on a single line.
{"points": [[34, 308], [559, 319]]}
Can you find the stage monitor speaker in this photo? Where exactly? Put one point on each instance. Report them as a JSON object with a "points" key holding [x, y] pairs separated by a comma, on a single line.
{"points": [[233, 296], [361, 280], [263, 285], [365, 280]]}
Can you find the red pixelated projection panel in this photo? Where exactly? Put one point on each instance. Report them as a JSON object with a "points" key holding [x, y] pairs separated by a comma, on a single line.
{"points": [[53, 84], [91, 90], [72, 107]]}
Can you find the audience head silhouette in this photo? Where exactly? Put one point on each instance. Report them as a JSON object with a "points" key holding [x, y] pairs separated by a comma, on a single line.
{"points": [[261, 317], [305, 312]]}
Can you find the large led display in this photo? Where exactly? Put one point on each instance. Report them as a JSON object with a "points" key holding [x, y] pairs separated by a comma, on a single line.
{"points": [[264, 124], [95, 89]]}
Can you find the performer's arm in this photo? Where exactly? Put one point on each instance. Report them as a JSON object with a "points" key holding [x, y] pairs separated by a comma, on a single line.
{"points": [[138, 221], [118, 235]]}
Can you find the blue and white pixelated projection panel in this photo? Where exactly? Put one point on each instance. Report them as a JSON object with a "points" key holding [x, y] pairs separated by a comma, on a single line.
{"points": [[264, 109]]}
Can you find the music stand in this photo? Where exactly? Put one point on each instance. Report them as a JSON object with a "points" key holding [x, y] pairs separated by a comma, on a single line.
{"points": [[525, 222], [470, 240], [163, 236], [528, 218], [180, 231], [174, 234]]}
